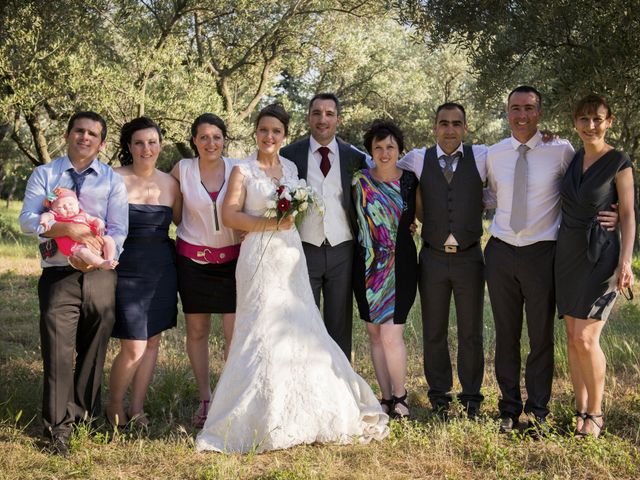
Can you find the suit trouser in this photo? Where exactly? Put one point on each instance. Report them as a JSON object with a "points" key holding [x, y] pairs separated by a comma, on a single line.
{"points": [[77, 312], [517, 277], [462, 274], [330, 272]]}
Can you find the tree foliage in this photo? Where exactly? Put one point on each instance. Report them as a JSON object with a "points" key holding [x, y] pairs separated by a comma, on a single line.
{"points": [[174, 59], [565, 48]]}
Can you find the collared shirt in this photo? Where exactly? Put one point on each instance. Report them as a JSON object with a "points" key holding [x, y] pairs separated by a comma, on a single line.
{"points": [[332, 146], [547, 163], [103, 195], [333, 226], [414, 160]]}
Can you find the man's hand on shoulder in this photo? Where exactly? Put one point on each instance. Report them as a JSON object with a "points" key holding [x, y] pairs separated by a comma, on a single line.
{"points": [[549, 136]]}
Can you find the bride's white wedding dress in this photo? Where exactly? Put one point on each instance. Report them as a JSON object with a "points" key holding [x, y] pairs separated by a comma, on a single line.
{"points": [[286, 382]]}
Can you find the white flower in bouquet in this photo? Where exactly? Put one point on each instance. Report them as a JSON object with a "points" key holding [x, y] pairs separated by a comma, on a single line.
{"points": [[303, 206], [301, 194], [286, 194]]}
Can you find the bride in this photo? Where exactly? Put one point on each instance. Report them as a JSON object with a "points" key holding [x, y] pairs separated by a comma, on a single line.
{"points": [[286, 382]]}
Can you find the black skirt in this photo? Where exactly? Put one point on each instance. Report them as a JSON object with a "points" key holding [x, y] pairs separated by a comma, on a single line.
{"points": [[207, 288]]}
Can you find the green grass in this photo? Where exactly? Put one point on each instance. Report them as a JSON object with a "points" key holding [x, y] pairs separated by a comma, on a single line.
{"points": [[421, 448]]}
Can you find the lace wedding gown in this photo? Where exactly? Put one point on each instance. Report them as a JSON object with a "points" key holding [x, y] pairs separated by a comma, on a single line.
{"points": [[286, 382]]}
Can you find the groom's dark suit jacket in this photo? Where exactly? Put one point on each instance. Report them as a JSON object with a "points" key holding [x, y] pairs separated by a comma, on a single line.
{"points": [[350, 162]]}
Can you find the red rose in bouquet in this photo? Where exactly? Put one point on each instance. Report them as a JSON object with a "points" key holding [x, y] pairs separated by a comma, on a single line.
{"points": [[284, 205]]}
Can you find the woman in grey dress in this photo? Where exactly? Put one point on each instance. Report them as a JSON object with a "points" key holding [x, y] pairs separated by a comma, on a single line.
{"points": [[592, 264]]}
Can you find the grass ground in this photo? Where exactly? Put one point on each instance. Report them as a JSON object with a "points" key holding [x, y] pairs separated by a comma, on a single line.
{"points": [[421, 448]]}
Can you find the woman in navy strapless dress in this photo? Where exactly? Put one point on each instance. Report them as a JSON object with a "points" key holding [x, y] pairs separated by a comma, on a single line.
{"points": [[146, 294]]}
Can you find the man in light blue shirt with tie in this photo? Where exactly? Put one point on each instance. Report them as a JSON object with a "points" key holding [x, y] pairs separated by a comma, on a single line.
{"points": [[77, 308]]}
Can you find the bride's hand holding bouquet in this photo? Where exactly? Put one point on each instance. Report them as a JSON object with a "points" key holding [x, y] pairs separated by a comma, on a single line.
{"points": [[290, 203]]}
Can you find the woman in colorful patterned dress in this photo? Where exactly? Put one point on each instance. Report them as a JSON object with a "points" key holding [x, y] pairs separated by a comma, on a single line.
{"points": [[386, 275]]}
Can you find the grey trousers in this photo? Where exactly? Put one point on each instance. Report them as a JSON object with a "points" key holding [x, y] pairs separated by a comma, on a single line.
{"points": [[330, 273], [77, 313], [441, 275]]}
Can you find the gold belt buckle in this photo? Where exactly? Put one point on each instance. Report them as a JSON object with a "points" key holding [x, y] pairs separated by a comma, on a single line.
{"points": [[450, 249]]}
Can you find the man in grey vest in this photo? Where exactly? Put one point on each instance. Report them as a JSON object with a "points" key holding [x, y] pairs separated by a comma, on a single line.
{"points": [[452, 177], [328, 165]]}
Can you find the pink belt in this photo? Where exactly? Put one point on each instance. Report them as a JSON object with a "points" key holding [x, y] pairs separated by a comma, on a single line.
{"points": [[207, 254]]}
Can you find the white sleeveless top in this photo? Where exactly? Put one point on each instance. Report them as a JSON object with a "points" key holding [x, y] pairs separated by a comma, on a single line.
{"points": [[201, 217]]}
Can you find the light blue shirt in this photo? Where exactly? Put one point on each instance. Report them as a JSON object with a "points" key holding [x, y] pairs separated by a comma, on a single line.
{"points": [[103, 195]]}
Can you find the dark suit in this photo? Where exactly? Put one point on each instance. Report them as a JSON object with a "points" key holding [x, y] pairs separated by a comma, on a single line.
{"points": [[455, 208], [331, 267]]}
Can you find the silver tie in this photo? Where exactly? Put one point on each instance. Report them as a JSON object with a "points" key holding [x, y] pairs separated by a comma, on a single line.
{"points": [[519, 203], [448, 165]]}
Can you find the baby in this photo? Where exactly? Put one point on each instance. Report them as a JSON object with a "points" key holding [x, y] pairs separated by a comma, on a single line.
{"points": [[64, 207]]}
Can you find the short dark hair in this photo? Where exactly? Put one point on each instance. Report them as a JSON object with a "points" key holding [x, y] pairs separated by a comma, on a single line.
{"points": [[451, 106], [526, 89], [126, 134], [96, 117], [211, 119], [590, 104], [275, 110], [381, 129], [326, 96]]}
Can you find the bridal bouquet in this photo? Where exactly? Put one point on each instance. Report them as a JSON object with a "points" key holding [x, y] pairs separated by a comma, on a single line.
{"points": [[290, 199], [293, 200]]}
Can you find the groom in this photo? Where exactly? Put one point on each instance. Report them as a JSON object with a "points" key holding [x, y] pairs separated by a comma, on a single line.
{"points": [[328, 164]]}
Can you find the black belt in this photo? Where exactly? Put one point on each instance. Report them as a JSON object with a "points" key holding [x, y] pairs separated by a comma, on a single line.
{"points": [[146, 240], [448, 249], [62, 268]]}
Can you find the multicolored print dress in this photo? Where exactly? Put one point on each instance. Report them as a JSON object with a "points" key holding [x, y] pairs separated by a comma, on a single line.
{"points": [[386, 266]]}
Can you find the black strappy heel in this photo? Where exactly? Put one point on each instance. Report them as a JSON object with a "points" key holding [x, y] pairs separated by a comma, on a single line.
{"points": [[400, 401], [582, 415], [388, 403], [592, 417]]}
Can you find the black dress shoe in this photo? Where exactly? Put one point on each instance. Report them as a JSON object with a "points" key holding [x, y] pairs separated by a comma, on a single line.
{"points": [[537, 427], [472, 411], [441, 410], [59, 444], [507, 424]]}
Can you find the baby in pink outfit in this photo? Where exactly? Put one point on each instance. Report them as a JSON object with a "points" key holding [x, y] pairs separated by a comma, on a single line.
{"points": [[64, 207]]}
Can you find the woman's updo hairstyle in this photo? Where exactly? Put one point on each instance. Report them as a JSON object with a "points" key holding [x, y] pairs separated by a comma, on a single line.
{"points": [[126, 134], [277, 111]]}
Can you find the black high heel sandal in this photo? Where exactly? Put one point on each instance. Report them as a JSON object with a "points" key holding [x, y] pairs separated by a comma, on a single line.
{"points": [[400, 401], [592, 417], [387, 405], [577, 432]]}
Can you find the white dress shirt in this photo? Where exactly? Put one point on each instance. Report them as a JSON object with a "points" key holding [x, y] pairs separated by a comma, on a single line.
{"points": [[547, 163], [414, 160]]}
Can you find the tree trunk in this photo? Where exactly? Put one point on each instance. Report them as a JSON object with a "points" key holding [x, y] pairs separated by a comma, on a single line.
{"points": [[39, 140], [184, 149], [14, 184]]}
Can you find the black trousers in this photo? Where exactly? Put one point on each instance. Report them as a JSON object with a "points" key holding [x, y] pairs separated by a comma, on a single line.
{"points": [[462, 274], [330, 273], [517, 277], [77, 312]]}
